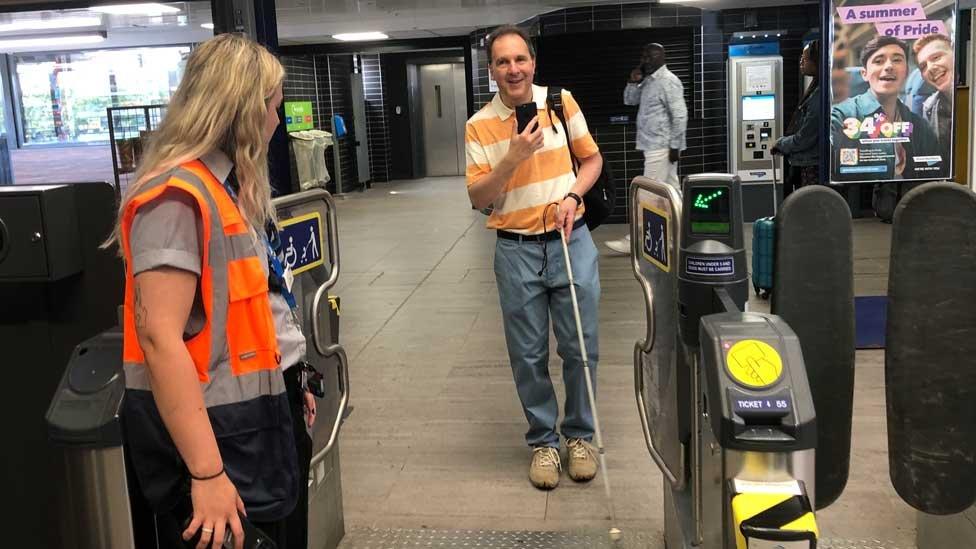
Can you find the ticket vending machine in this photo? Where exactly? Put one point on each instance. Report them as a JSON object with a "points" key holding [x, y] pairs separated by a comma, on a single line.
{"points": [[755, 123]]}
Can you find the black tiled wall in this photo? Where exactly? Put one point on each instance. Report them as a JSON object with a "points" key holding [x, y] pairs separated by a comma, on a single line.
{"points": [[377, 126], [324, 80], [335, 96], [597, 76], [479, 73], [300, 85], [708, 32]]}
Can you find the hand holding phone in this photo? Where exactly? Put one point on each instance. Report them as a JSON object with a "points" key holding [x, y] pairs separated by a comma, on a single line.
{"points": [[253, 537], [527, 137]]}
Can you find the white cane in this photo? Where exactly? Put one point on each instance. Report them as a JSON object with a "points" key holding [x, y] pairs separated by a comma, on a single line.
{"points": [[615, 533]]}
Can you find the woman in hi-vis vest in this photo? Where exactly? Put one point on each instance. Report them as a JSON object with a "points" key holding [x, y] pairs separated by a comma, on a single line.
{"points": [[216, 413]]}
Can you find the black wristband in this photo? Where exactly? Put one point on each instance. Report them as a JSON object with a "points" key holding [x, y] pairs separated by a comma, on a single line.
{"points": [[211, 477], [576, 197]]}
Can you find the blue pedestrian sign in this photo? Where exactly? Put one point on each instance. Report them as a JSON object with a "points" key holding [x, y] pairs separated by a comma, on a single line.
{"points": [[301, 242], [654, 237]]}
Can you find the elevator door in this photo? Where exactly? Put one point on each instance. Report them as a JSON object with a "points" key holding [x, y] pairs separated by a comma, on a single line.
{"points": [[443, 98]]}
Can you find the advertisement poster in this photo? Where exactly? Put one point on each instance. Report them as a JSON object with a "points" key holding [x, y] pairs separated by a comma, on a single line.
{"points": [[892, 90]]}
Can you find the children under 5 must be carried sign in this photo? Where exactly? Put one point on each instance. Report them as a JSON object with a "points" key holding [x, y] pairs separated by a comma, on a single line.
{"points": [[301, 241]]}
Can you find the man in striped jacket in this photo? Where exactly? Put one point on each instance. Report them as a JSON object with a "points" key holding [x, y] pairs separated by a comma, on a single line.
{"points": [[529, 180]]}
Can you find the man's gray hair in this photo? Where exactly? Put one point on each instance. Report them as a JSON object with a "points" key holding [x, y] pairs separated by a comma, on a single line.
{"points": [[505, 30]]}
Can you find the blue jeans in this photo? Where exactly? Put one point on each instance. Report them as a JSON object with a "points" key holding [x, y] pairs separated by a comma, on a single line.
{"points": [[528, 299]]}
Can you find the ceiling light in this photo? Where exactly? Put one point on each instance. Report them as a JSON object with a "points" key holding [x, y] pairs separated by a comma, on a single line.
{"points": [[208, 26], [51, 24], [357, 36], [136, 9], [46, 41]]}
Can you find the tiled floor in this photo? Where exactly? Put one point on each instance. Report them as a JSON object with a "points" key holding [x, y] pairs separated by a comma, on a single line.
{"points": [[436, 437], [62, 164]]}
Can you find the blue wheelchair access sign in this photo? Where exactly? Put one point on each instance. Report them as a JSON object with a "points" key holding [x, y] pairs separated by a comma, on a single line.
{"points": [[301, 240], [654, 237]]}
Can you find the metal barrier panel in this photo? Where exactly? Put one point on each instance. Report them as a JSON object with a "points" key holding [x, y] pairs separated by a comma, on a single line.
{"points": [[929, 376], [655, 225], [309, 236], [814, 293]]}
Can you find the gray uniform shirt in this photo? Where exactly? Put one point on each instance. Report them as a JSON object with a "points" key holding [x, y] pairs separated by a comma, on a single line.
{"points": [[168, 232]]}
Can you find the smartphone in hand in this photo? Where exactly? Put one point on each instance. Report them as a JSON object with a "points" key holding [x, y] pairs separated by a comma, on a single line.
{"points": [[524, 114]]}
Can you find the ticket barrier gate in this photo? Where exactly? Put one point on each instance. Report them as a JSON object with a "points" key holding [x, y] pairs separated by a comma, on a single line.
{"points": [[106, 512], [308, 218], [930, 381], [723, 395]]}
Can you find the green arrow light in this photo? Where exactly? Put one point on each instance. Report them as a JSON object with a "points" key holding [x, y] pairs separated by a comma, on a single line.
{"points": [[702, 201]]}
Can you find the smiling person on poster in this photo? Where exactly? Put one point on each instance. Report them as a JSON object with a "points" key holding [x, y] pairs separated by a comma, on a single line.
{"points": [[874, 135], [936, 62]]}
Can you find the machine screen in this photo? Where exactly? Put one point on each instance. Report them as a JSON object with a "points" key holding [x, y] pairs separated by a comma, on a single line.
{"points": [[758, 107], [710, 210]]}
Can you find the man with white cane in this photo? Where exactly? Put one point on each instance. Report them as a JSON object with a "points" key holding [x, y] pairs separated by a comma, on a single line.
{"points": [[527, 175]]}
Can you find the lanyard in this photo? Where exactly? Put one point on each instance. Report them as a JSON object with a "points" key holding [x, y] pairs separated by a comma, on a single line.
{"points": [[272, 243]]}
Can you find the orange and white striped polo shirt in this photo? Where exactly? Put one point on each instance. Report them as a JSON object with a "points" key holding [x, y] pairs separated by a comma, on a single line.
{"points": [[544, 178]]}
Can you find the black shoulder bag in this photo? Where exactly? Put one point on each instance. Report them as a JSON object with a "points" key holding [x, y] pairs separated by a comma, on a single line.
{"points": [[599, 200]]}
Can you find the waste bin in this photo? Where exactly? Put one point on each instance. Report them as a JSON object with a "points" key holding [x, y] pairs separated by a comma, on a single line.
{"points": [[309, 147], [83, 420]]}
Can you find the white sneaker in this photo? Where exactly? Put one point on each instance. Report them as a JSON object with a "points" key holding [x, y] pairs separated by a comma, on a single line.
{"points": [[621, 246]]}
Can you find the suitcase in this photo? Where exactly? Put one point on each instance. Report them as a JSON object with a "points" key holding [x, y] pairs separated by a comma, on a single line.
{"points": [[763, 248]]}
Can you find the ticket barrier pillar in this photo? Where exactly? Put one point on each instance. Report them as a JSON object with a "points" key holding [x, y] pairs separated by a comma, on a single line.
{"points": [[723, 395]]}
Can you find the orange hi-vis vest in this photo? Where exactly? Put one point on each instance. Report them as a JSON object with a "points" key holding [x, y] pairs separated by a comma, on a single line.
{"points": [[235, 356]]}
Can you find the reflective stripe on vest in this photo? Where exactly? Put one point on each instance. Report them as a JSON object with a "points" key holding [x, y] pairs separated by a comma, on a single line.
{"points": [[236, 353]]}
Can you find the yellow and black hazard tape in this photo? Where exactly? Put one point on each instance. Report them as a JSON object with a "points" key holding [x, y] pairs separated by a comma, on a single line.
{"points": [[784, 518]]}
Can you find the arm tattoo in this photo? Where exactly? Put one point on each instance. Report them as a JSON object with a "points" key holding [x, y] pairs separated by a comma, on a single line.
{"points": [[140, 310]]}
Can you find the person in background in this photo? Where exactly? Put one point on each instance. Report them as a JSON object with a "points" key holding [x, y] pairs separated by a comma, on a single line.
{"points": [[936, 61], [216, 410], [801, 140], [662, 121]]}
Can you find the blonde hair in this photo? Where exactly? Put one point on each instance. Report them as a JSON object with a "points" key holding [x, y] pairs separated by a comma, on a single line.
{"points": [[220, 105]]}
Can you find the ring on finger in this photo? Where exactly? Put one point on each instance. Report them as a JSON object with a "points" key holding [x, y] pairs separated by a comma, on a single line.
{"points": [[207, 530]]}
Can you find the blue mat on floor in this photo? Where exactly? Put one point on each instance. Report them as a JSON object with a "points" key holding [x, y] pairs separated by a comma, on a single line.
{"points": [[870, 314]]}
